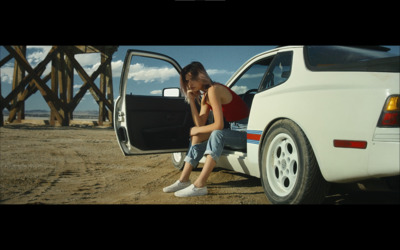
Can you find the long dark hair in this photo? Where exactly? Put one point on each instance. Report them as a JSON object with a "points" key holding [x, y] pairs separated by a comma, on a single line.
{"points": [[195, 68]]}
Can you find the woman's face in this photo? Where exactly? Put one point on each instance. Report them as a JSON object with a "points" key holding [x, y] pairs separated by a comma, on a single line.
{"points": [[194, 85]]}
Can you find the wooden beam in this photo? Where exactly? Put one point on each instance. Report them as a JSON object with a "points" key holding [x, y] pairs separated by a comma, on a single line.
{"points": [[27, 93], [102, 90], [5, 60], [69, 83], [109, 90], [18, 75], [89, 81], [39, 68], [51, 99], [54, 88], [62, 87]]}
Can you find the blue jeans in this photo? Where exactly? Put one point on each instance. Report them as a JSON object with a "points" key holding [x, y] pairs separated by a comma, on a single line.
{"points": [[215, 144]]}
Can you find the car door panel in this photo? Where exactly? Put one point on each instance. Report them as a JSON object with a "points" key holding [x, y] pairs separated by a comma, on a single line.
{"points": [[158, 123]]}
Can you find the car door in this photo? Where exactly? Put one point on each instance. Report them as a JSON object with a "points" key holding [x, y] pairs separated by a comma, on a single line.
{"points": [[149, 119]]}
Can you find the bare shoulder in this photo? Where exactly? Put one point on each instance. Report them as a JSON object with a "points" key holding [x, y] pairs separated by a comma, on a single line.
{"points": [[221, 92], [217, 89]]}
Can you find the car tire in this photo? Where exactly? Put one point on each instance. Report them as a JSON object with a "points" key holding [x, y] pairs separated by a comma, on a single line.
{"points": [[289, 170], [178, 160]]}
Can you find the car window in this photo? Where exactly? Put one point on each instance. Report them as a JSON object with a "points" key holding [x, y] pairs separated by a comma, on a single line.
{"points": [[349, 58], [149, 76], [252, 77], [279, 71]]}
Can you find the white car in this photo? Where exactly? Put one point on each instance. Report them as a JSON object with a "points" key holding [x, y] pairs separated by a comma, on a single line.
{"points": [[319, 114]]}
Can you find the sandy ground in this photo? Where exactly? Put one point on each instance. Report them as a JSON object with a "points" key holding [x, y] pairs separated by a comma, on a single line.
{"points": [[82, 164]]}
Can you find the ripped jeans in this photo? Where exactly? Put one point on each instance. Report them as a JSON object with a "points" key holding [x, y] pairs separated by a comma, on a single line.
{"points": [[215, 145]]}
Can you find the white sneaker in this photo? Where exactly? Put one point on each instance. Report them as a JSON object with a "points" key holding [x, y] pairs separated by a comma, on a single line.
{"points": [[178, 185], [191, 190]]}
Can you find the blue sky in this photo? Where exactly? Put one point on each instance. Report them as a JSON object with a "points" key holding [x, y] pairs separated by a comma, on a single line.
{"points": [[220, 61]]}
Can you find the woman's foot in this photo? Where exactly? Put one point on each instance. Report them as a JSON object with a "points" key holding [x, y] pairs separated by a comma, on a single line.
{"points": [[178, 185], [191, 190]]}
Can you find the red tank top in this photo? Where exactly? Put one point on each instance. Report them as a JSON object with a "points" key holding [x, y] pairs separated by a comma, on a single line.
{"points": [[235, 110]]}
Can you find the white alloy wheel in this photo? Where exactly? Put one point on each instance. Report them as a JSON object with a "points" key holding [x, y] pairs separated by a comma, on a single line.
{"points": [[177, 156], [289, 170], [282, 164], [178, 160]]}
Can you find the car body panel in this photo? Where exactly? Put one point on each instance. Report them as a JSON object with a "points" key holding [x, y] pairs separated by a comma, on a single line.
{"points": [[329, 106]]}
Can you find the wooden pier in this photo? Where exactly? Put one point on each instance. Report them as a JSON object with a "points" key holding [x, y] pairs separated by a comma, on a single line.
{"points": [[59, 94]]}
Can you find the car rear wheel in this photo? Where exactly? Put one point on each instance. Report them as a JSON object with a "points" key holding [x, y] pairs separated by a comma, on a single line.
{"points": [[178, 160], [289, 170]]}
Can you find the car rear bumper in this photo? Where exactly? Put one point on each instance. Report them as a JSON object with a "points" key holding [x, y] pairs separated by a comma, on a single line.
{"points": [[384, 159]]}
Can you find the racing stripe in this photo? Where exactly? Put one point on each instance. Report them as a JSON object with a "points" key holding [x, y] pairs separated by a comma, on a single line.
{"points": [[254, 136]]}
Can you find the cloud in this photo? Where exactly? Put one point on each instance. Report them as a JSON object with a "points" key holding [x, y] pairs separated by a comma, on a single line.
{"points": [[139, 72], [239, 89], [116, 68], [36, 54], [156, 92], [89, 62], [249, 76], [218, 72], [7, 72], [88, 59]]}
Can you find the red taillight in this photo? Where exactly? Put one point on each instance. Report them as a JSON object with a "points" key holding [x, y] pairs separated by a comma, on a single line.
{"points": [[349, 144], [390, 116], [390, 119]]}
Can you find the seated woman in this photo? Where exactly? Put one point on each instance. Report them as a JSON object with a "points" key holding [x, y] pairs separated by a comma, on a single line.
{"points": [[208, 140]]}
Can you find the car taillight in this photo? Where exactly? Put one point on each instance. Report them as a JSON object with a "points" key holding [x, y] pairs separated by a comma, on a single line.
{"points": [[349, 144], [390, 116]]}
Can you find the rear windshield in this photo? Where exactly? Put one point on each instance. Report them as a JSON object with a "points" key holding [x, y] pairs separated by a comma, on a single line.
{"points": [[346, 58]]}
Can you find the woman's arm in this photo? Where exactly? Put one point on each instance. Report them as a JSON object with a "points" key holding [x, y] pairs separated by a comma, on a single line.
{"points": [[215, 102], [199, 119]]}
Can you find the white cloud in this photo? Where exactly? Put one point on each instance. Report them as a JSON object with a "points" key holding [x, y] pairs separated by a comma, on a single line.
{"points": [[88, 59], [91, 68], [139, 72], [116, 68], [7, 72], [239, 89], [218, 71], [249, 76], [156, 92], [38, 54]]}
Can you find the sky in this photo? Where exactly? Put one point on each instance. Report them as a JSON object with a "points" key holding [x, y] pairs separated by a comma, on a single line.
{"points": [[220, 62]]}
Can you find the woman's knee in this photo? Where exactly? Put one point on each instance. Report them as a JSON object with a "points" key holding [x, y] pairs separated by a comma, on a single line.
{"points": [[196, 139], [216, 134]]}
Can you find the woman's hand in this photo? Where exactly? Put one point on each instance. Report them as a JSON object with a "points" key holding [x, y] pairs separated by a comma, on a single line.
{"points": [[194, 131], [192, 95]]}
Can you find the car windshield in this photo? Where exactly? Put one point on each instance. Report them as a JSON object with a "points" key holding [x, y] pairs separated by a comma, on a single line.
{"points": [[347, 58]]}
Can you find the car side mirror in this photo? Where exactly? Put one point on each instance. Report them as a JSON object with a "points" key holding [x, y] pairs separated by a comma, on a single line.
{"points": [[171, 92]]}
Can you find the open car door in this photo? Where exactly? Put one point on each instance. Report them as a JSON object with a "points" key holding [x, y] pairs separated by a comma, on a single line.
{"points": [[150, 115]]}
